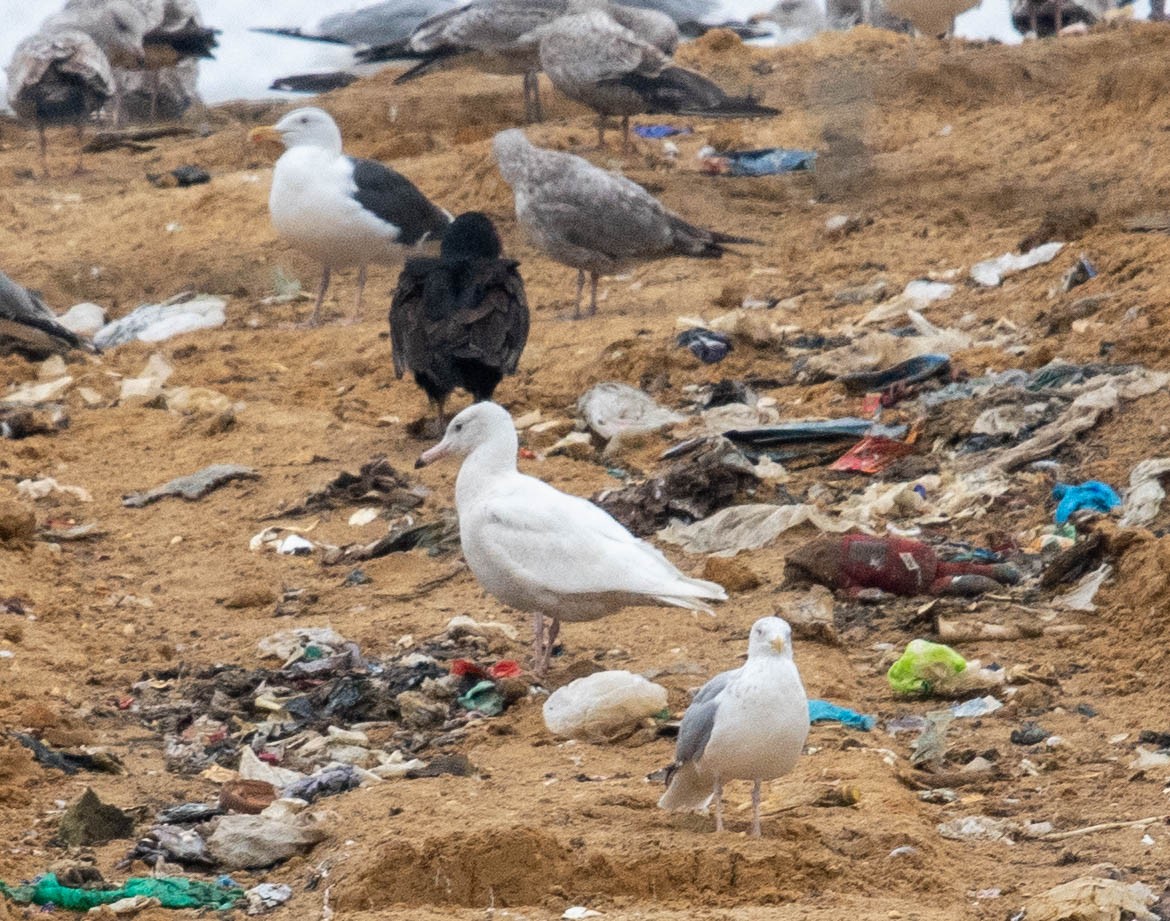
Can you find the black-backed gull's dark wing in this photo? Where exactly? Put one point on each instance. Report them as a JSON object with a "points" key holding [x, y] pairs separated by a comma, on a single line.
{"points": [[396, 200], [29, 327]]}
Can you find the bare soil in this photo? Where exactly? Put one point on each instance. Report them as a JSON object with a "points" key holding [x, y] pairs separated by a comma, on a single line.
{"points": [[953, 153]]}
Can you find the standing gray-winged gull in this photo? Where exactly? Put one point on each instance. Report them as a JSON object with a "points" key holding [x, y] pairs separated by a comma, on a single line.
{"points": [[746, 724], [593, 59], [501, 36], [58, 75], [540, 550], [28, 327], [592, 220], [342, 210], [460, 320]]}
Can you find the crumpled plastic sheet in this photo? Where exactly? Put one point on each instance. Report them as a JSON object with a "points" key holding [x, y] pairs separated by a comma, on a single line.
{"points": [[1144, 498], [611, 408], [991, 272], [747, 527]]}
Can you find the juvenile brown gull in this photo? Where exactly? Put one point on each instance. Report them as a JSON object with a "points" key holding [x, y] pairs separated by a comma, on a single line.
{"points": [[540, 550], [58, 75], [592, 220], [501, 36], [593, 59], [343, 211]]}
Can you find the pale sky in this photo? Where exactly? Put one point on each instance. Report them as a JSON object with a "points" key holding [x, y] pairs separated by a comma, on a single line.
{"points": [[247, 63]]}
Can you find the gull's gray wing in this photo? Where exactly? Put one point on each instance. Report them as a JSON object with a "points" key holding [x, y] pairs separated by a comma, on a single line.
{"points": [[699, 720], [484, 25]]}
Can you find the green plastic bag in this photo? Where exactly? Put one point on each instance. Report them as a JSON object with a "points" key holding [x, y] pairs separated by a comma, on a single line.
{"points": [[171, 891], [923, 664]]}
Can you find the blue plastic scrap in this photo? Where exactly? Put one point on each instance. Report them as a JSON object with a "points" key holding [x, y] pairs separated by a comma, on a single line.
{"points": [[657, 132], [821, 711], [1093, 495], [767, 162]]}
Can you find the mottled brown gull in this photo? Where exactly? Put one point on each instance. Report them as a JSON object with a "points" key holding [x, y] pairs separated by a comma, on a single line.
{"points": [[58, 75], [593, 59], [502, 36], [592, 220]]}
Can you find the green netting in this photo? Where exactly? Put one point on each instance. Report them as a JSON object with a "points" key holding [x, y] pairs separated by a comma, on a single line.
{"points": [[171, 891]]}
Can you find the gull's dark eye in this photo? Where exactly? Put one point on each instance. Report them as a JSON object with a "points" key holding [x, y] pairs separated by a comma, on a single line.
{"points": [[459, 427]]}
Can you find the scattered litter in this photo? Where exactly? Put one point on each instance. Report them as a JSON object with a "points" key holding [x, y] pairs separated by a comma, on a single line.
{"points": [[69, 762], [84, 319], [247, 842], [1029, 734], [711, 476], [602, 705], [746, 527], [872, 454], [1080, 598], [930, 747], [1092, 495], [47, 486], [915, 297], [813, 430], [657, 132], [611, 408], [376, 484], [932, 668], [811, 615], [579, 912], [912, 371], [267, 896], [171, 892], [766, 161], [34, 394], [821, 711], [1092, 898], [979, 828], [707, 346], [895, 565], [1144, 497], [156, 322], [193, 486], [181, 177], [991, 272], [1082, 271], [976, 706]]}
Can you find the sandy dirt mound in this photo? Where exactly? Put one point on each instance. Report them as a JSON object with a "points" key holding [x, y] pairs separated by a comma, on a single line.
{"points": [[945, 154]]}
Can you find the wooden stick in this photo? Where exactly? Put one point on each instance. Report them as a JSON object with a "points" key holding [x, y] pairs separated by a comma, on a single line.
{"points": [[1104, 826], [132, 137]]}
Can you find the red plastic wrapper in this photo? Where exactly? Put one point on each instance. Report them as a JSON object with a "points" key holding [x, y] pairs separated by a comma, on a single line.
{"points": [[505, 668], [873, 454]]}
